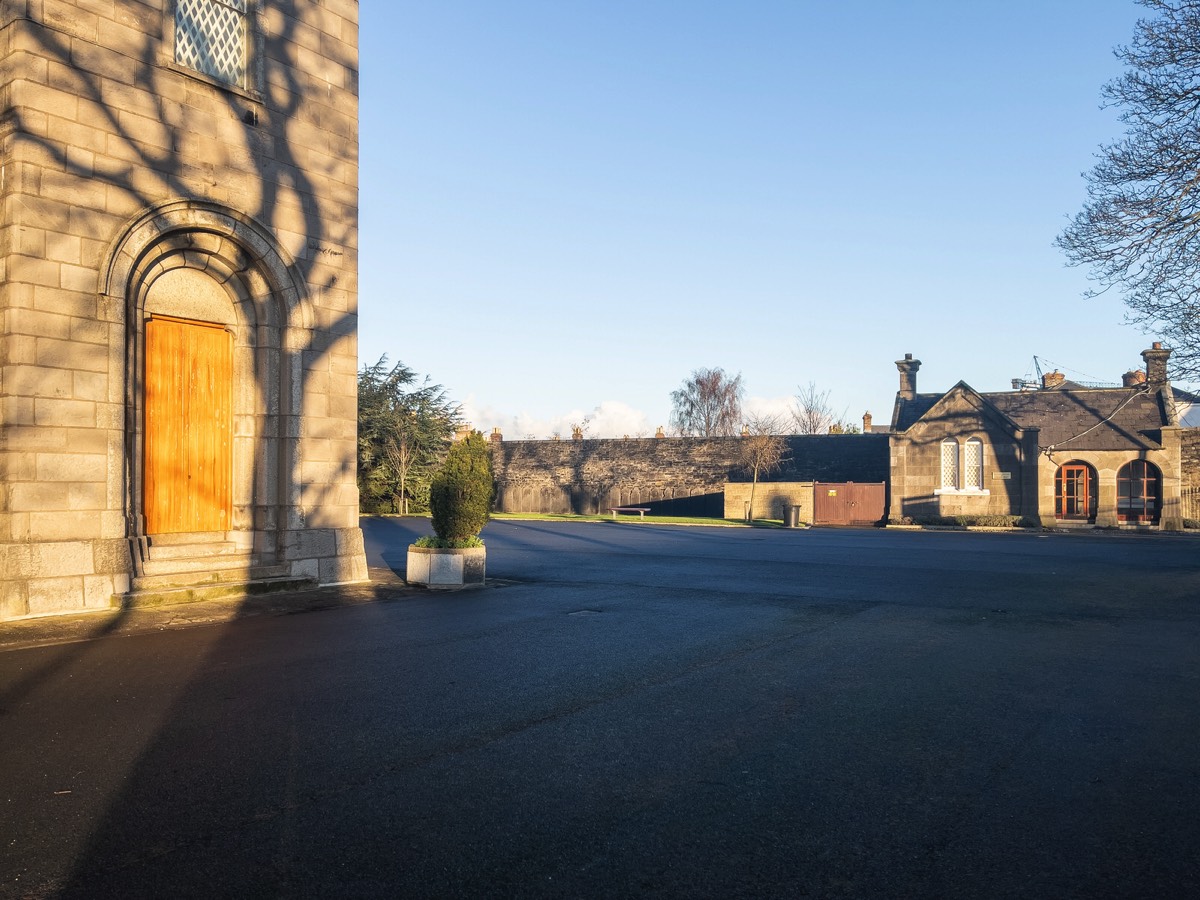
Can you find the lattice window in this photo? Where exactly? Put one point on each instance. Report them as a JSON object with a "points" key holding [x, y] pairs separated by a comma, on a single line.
{"points": [[210, 37], [950, 464], [973, 465]]}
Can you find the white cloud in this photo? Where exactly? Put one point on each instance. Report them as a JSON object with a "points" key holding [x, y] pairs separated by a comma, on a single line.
{"points": [[609, 418], [780, 407]]}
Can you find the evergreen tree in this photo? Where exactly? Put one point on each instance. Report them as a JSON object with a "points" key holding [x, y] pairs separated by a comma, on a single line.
{"points": [[460, 496], [404, 431]]}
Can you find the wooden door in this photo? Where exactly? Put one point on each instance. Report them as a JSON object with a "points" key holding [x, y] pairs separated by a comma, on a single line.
{"points": [[1075, 492], [188, 478]]}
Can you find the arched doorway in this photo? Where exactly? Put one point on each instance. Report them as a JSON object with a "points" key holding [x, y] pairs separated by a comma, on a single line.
{"points": [[1075, 488], [209, 305], [1139, 493]]}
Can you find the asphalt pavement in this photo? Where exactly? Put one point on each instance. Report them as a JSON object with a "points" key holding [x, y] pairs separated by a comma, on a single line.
{"points": [[630, 710]]}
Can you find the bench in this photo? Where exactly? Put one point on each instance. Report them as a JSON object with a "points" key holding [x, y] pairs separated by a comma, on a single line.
{"points": [[640, 510]]}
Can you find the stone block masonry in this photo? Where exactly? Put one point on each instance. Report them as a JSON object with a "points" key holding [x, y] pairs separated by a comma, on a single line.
{"points": [[589, 476], [142, 180], [772, 499], [1189, 452], [1189, 464]]}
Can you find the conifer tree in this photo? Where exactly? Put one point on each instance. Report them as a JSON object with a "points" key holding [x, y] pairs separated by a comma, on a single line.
{"points": [[460, 496]]}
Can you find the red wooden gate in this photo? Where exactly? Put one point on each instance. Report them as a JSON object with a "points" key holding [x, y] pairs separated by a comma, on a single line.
{"points": [[848, 504]]}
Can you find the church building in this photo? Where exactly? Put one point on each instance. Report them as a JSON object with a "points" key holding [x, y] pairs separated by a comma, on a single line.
{"points": [[178, 299]]}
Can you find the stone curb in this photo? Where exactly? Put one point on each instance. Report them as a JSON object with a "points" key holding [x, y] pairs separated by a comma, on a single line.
{"points": [[1093, 532], [17, 634]]}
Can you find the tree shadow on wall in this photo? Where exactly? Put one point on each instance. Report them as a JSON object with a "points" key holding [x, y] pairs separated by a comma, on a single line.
{"points": [[295, 154], [150, 161]]}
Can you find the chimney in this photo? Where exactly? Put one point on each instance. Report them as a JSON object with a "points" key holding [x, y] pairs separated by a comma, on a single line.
{"points": [[1156, 364], [866, 423], [1052, 379], [908, 376], [1133, 378], [659, 434]]}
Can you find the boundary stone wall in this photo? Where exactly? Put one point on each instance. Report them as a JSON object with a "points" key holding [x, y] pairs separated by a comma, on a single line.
{"points": [[1189, 457], [1189, 468], [588, 476]]}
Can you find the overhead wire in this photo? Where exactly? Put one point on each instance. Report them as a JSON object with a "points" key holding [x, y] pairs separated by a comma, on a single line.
{"points": [[1141, 389]]}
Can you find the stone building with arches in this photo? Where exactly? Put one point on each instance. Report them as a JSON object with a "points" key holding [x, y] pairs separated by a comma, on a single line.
{"points": [[1061, 455], [178, 299]]}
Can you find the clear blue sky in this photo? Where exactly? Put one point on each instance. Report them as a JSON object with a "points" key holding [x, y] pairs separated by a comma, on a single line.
{"points": [[569, 206]]}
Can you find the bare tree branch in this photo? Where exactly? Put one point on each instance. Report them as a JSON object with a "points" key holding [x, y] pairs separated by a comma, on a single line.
{"points": [[1139, 230], [761, 451], [813, 413], [709, 404]]}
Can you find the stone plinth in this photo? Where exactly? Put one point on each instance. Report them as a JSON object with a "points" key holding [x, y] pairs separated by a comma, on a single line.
{"points": [[446, 568]]}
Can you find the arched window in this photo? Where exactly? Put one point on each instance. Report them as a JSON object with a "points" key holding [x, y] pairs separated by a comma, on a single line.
{"points": [[949, 464], [1075, 492], [973, 465], [961, 467], [1139, 493]]}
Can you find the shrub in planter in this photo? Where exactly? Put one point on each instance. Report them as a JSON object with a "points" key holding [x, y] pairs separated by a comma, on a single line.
{"points": [[460, 495], [460, 500]]}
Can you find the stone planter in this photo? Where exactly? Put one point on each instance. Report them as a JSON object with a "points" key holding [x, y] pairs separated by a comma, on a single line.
{"points": [[439, 568]]}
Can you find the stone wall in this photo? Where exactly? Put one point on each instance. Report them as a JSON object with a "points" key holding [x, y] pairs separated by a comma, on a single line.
{"points": [[137, 186], [1189, 453], [588, 476], [771, 500]]}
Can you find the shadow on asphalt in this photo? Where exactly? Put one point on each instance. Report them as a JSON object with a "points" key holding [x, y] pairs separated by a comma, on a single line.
{"points": [[266, 762], [387, 538], [65, 656]]}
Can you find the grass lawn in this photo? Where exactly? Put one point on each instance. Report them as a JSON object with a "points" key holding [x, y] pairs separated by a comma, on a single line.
{"points": [[628, 519]]}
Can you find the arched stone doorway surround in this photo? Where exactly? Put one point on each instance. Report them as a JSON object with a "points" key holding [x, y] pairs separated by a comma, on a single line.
{"points": [[201, 264]]}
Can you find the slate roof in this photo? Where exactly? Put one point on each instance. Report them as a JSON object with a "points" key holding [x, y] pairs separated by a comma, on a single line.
{"points": [[1069, 416], [1182, 396], [1088, 418], [907, 412]]}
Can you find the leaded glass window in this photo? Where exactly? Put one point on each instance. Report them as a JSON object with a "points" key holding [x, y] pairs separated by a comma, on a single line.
{"points": [[973, 465], [210, 37], [949, 464]]}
